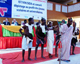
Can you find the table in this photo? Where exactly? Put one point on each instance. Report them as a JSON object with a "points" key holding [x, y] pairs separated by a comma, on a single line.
{"points": [[13, 42], [11, 38], [10, 42], [11, 31]]}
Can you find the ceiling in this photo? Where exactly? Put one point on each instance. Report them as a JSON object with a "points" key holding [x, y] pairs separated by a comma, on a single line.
{"points": [[58, 1]]}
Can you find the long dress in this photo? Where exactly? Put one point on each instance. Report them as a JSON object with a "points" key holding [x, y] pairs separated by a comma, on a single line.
{"points": [[50, 41], [66, 37]]}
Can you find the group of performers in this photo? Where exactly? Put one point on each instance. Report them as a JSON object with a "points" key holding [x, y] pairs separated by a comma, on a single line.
{"points": [[46, 33]]}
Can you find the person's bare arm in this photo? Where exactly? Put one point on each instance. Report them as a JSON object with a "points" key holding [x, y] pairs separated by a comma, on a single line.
{"points": [[20, 30], [77, 33], [37, 33], [55, 27]]}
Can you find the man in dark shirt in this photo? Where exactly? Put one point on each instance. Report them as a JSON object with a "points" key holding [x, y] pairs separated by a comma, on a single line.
{"points": [[6, 22]]}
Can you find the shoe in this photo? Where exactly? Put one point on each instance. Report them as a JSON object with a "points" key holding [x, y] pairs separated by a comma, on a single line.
{"points": [[43, 57], [56, 55], [30, 59], [73, 53], [50, 56], [22, 60], [35, 58], [59, 60], [66, 60]]}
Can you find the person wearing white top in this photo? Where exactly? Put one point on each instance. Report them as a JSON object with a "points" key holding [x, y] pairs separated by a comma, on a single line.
{"points": [[50, 39], [66, 36], [27, 38], [40, 32]]}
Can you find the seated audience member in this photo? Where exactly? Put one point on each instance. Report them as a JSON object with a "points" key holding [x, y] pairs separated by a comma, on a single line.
{"points": [[6, 22], [15, 22]]}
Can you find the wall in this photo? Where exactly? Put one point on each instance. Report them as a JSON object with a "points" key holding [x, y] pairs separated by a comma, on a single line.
{"points": [[76, 12], [72, 14], [51, 14]]}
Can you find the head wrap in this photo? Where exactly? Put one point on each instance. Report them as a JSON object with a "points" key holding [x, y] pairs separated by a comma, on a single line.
{"points": [[51, 22], [70, 19]]}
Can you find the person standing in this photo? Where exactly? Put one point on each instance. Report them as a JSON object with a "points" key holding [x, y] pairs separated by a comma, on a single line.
{"points": [[58, 37], [40, 33], [66, 36], [50, 38], [26, 44], [25, 22], [74, 38]]}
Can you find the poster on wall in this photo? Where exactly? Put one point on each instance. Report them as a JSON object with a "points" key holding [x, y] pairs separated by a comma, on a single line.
{"points": [[24, 9], [29, 8], [5, 8]]}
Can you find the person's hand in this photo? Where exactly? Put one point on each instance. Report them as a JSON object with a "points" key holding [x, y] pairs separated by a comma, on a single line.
{"points": [[56, 26], [23, 34], [47, 29]]}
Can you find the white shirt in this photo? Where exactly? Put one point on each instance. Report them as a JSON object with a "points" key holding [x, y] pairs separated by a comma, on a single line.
{"points": [[66, 41], [43, 28], [15, 23], [30, 27], [66, 31], [6, 22]]}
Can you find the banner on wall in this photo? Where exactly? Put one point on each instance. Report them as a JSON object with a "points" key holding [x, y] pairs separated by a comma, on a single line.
{"points": [[25, 9], [5, 8]]}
